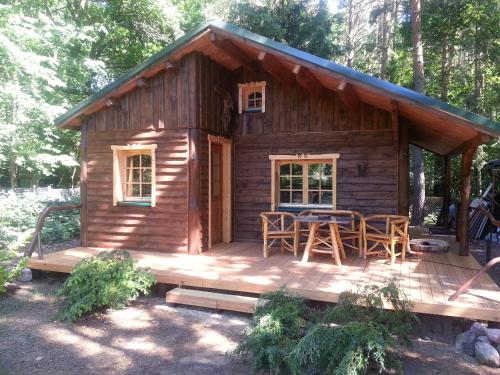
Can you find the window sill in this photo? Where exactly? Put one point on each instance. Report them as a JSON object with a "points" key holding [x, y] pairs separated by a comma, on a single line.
{"points": [[134, 203], [302, 207], [256, 110]]}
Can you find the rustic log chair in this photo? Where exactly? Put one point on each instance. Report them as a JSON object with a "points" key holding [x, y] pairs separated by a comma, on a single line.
{"points": [[351, 234], [279, 226], [385, 232]]}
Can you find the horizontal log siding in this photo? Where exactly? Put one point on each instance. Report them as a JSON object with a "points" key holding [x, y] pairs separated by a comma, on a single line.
{"points": [[162, 228], [374, 193]]}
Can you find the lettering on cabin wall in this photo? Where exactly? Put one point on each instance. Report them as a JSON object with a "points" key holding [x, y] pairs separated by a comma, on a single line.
{"points": [[362, 169], [303, 156]]}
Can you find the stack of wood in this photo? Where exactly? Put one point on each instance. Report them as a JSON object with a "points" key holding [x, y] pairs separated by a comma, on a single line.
{"points": [[477, 220]]}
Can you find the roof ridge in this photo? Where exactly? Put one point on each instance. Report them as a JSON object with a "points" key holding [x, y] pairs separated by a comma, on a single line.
{"points": [[482, 123]]}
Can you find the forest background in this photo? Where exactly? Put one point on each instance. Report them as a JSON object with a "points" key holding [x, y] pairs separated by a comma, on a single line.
{"points": [[55, 53]]}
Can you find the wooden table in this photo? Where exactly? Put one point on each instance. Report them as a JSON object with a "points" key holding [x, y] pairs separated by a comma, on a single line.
{"points": [[331, 243]]}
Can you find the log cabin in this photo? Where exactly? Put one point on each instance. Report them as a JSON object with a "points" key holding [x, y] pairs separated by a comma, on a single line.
{"points": [[184, 151]]}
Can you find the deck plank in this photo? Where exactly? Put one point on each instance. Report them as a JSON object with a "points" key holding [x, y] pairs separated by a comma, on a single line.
{"points": [[427, 279]]}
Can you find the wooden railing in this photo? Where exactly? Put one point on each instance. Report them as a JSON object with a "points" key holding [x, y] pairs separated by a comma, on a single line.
{"points": [[36, 240], [491, 263], [473, 279]]}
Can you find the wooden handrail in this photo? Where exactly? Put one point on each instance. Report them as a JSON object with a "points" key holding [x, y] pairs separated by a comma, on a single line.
{"points": [[473, 279], [36, 241]]}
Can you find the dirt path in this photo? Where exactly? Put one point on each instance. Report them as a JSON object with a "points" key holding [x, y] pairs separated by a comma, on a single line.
{"points": [[152, 338], [147, 338]]}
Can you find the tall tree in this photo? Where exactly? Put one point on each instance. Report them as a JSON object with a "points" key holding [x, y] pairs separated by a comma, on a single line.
{"points": [[303, 24], [418, 201]]}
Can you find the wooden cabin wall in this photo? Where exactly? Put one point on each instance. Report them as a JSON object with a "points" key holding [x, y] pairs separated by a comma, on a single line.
{"points": [[161, 113], [210, 75], [295, 122], [160, 228]]}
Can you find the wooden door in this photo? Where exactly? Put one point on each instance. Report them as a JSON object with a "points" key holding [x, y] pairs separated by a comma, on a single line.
{"points": [[216, 192]]}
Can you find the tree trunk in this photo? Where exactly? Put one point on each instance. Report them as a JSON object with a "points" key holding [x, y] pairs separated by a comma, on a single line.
{"points": [[350, 32], [418, 200], [384, 40], [478, 75], [13, 174], [446, 58]]}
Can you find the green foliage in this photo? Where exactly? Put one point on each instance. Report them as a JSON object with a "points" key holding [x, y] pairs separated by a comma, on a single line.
{"points": [[62, 226], [109, 279], [306, 24], [277, 326], [350, 338], [19, 215], [9, 269]]}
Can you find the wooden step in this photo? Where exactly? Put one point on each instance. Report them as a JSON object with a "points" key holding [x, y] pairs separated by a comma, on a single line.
{"points": [[212, 300]]}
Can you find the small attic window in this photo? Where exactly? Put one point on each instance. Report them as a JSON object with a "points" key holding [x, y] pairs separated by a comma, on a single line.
{"points": [[252, 97]]}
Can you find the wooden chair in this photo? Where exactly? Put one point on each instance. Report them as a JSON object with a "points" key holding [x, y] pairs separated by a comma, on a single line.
{"points": [[351, 234], [385, 232], [279, 226]]}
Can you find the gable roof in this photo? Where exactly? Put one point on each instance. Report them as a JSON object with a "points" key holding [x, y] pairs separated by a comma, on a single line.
{"points": [[416, 107]]}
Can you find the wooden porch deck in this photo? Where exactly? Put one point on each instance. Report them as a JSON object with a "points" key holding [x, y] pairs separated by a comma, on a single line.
{"points": [[429, 280]]}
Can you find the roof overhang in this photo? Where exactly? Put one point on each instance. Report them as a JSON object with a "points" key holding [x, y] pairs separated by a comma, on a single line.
{"points": [[433, 125]]}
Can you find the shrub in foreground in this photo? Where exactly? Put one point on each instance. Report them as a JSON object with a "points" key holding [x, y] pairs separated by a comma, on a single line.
{"points": [[109, 279], [8, 270], [350, 338]]}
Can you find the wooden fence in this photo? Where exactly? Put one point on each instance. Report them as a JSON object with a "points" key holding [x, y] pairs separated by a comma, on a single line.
{"points": [[43, 193]]}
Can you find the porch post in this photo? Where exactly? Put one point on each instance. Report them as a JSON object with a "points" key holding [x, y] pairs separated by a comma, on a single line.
{"points": [[403, 170], [84, 132], [194, 193], [463, 217], [446, 190]]}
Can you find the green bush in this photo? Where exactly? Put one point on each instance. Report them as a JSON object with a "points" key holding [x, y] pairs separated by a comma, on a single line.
{"points": [[9, 269], [349, 338], [278, 325], [19, 215], [109, 279], [62, 225]]}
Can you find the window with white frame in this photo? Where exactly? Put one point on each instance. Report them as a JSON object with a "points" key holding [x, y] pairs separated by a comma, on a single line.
{"points": [[252, 97], [304, 180], [134, 175]]}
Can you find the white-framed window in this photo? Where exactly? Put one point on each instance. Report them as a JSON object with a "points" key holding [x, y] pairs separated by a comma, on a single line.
{"points": [[134, 175], [252, 97], [304, 180]]}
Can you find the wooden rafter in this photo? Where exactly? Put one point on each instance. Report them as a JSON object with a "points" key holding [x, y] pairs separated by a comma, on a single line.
{"points": [[474, 142], [142, 82], [172, 66], [113, 102], [233, 51], [348, 95], [274, 67], [308, 81]]}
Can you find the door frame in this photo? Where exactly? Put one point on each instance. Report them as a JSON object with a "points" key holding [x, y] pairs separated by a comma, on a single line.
{"points": [[227, 211]]}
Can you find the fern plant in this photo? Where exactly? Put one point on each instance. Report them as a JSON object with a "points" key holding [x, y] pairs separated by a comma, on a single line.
{"points": [[278, 324], [356, 334], [109, 279], [9, 272]]}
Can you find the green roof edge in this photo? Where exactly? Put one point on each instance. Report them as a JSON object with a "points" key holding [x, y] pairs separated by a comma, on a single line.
{"points": [[480, 121]]}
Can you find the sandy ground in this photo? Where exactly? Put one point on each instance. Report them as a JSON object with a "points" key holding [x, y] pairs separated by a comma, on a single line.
{"points": [[150, 337], [146, 338]]}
